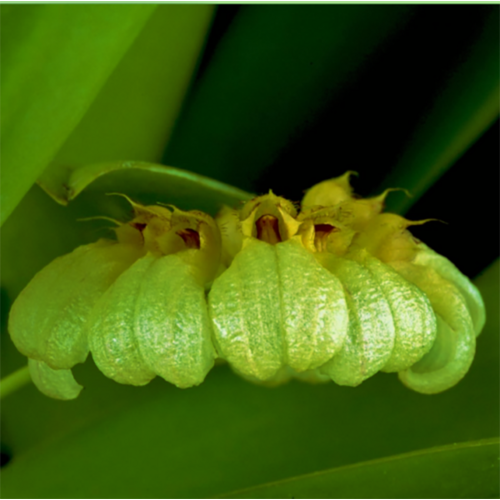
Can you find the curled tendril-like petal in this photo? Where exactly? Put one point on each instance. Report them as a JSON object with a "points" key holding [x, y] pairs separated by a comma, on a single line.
{"points": [[453, 351]]}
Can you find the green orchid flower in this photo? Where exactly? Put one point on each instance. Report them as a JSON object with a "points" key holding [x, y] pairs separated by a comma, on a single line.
{"points": [[99, 99]]}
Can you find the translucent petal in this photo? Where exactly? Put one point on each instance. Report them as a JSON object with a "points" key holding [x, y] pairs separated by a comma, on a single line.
{"points": [[111, 329], [414, 319], [48, 318], [285, 374], [312, 377], [370, 339], [172, 326], [58, 384], [282, 376], [244, 307], [313, 308]]}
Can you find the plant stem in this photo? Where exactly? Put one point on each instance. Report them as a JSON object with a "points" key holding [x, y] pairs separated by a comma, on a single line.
{"points": [[14, 381]]}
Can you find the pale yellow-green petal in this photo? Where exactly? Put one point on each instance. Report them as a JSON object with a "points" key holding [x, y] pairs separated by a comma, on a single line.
{"points": [[285, 374], [414, 320], [313, 308], [442, 351], [370, 339], [312, 377], [32, 311], [244, 305], [111, 331], [58, 384], [282, 376], [429, 258], [172, 326], [47, 321], [453, 350]]}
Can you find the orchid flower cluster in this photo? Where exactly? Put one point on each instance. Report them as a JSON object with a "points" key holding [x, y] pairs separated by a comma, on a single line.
{"points": [[332, 290]]}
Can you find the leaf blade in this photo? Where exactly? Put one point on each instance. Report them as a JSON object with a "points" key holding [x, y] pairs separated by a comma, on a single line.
{"points": [[143, 179], [276, 67], [134, 112], [465, 470], [46, 83]]}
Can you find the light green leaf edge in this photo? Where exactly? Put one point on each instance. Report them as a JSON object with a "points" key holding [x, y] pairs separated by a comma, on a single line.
{"points": [[464, 470], [46, 83], [14, 382], [464, 109], [144, 177]]}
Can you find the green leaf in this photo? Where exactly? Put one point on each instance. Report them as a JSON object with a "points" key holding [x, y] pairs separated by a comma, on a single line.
{"points": [[464, 108], [273, 71], [55, 58], [147, 181], [466, 470], [133, 115]]}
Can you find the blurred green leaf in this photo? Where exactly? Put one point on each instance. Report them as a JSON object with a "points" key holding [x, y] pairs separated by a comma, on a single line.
{"points": [[466, 470], [275, 68], [133, 115], [462, 111], [55, 58]]}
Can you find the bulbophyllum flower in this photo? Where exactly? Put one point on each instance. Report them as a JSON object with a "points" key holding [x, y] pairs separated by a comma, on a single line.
{"points": [[127, 301], [411, 310], [397, 305], [275, 308], [338, 291]]}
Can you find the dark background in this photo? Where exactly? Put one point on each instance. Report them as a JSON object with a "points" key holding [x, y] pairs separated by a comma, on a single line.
{"points": [[363, 121]]}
